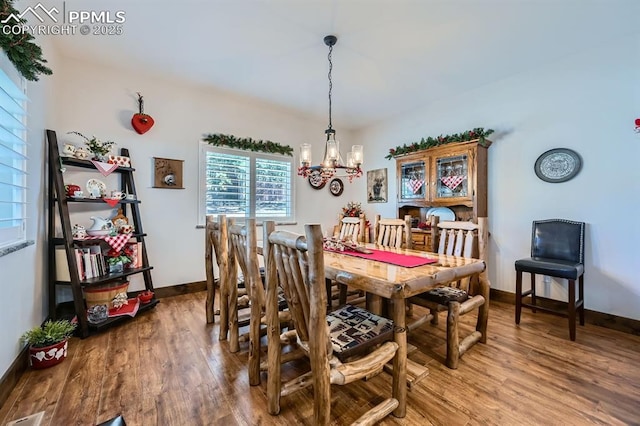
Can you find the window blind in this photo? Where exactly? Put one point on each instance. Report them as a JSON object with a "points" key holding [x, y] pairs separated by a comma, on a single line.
{"points": [[13, 162], [247, 184]]}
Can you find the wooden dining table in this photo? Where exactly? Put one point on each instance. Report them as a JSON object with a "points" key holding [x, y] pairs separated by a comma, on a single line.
{"points": [[398, 283]]}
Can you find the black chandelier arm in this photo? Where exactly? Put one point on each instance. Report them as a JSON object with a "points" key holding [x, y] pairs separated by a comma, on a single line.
{"points": [[330, 81]]}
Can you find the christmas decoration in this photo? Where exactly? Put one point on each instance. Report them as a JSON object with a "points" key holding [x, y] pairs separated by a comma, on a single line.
{"points": [[248, 144], [353, 209], [478, 133], [21, 51], [141, 122]]}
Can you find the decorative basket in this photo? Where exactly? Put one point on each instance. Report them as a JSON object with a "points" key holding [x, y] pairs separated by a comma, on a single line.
{"points": [[104, 295]]}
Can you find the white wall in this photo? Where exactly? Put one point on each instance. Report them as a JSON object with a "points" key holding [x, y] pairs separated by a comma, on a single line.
{"points": [[587, 102], [100, 101]]}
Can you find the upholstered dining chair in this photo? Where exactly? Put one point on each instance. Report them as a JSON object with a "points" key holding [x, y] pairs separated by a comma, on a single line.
{"points": [[393, 232], [296, 263], [465, 239], [557, 250]]}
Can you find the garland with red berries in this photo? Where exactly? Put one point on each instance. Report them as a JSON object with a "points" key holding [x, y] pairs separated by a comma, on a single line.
{"points": [[248, 144], [478, 133]]}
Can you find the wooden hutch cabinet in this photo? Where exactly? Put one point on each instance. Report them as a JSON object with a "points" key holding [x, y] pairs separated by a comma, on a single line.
{"points": [[452, 175]]}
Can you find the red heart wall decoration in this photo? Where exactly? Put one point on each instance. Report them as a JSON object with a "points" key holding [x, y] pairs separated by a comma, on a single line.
{"points": [[142, 123]]}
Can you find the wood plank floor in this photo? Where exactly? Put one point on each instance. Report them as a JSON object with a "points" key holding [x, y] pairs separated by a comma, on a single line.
{"points": [[167, 367]]}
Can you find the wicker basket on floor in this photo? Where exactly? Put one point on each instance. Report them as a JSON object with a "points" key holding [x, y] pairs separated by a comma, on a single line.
{"points": [[103, 295]]}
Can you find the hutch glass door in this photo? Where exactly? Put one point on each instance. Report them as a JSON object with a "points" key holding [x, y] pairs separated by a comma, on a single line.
{"points": [[413, 181], [452, 177]]}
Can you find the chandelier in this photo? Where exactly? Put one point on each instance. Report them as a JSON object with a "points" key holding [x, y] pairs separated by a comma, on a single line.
{"points": [[332, 164]]}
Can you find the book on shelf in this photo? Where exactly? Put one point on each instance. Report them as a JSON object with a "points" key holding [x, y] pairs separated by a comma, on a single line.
{"points": [[136, 254]]}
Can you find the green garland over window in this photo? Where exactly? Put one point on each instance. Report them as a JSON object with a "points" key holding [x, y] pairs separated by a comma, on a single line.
{"points": [[478, 133], [21, 51], [248, 144]]}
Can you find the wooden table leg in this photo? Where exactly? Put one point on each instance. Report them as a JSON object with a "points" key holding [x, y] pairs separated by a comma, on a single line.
{"points": [[374, 303], [400, 360]]}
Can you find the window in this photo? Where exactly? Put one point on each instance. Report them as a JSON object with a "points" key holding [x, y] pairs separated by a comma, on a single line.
{"points": [[246, 184], [13, 161]]}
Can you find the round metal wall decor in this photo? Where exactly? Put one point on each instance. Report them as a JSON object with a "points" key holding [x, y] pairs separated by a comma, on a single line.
{"points": [[336, 187], [558, 165], [316, 181]]}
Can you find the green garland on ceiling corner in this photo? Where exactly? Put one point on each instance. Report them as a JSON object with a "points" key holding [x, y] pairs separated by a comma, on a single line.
{"points": [[248, 144], [478, 133], [21, 51]]}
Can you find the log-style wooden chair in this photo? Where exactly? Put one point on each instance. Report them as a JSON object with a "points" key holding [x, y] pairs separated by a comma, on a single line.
{"points": [[351, 228], [348, 229], [243, 254], [296, 263], [464, 239], [243, 251], [216, 243], [389, 232], [393, 232]]}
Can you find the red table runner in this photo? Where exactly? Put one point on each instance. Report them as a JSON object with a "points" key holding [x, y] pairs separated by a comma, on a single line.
{"points": [[398, 259]]}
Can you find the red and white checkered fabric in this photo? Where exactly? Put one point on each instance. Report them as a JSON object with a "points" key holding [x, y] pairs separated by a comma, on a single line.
{"points": [[452, 182], [116, 243], [414, 185]]}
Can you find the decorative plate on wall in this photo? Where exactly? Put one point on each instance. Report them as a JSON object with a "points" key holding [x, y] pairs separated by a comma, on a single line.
{"points": [[336, 187], [315, 180], [558, 165]]}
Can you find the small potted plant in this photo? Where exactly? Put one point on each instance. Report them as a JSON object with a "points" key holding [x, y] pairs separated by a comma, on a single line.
{"points": [[98, 148], [118, 260], [48, 344]]}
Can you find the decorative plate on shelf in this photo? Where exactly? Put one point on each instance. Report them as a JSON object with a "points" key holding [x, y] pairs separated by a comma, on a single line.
{"points": [[336, 187], [558, 165], [445, 213], [96, 188], [315, 180]]}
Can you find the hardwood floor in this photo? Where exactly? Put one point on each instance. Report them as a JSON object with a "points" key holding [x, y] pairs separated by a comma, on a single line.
{"points": [[167, 367]]}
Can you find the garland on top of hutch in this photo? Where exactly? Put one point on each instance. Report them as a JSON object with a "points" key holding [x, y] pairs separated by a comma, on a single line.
{"points": [[478, 134]]}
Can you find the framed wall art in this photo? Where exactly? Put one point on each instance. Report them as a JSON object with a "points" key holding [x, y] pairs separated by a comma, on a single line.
{"points": [[167, 173], [377, 186]]}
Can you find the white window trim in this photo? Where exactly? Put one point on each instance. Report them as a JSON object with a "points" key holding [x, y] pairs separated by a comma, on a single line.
{"points": [[202, 186], [14, 238]]}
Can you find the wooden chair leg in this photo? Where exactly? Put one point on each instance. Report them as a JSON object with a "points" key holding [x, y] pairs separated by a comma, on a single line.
{"points": [[518, 295], [409, 307], [581, 298], [328, 286], [234, 328], [342, 296], [572, 309], [434, 316], [254, 344], [533, 292], [453, 343], [483, 310], [224, 311]]}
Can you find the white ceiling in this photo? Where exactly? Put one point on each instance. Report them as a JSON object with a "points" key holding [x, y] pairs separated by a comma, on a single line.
{"points": [[391, 56]]}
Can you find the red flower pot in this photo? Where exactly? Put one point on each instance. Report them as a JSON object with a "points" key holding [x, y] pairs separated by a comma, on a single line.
{"points": [[49, 355]]}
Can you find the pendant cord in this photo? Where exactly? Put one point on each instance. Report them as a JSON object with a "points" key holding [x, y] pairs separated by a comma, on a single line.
{"points": [[330, 83]]}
